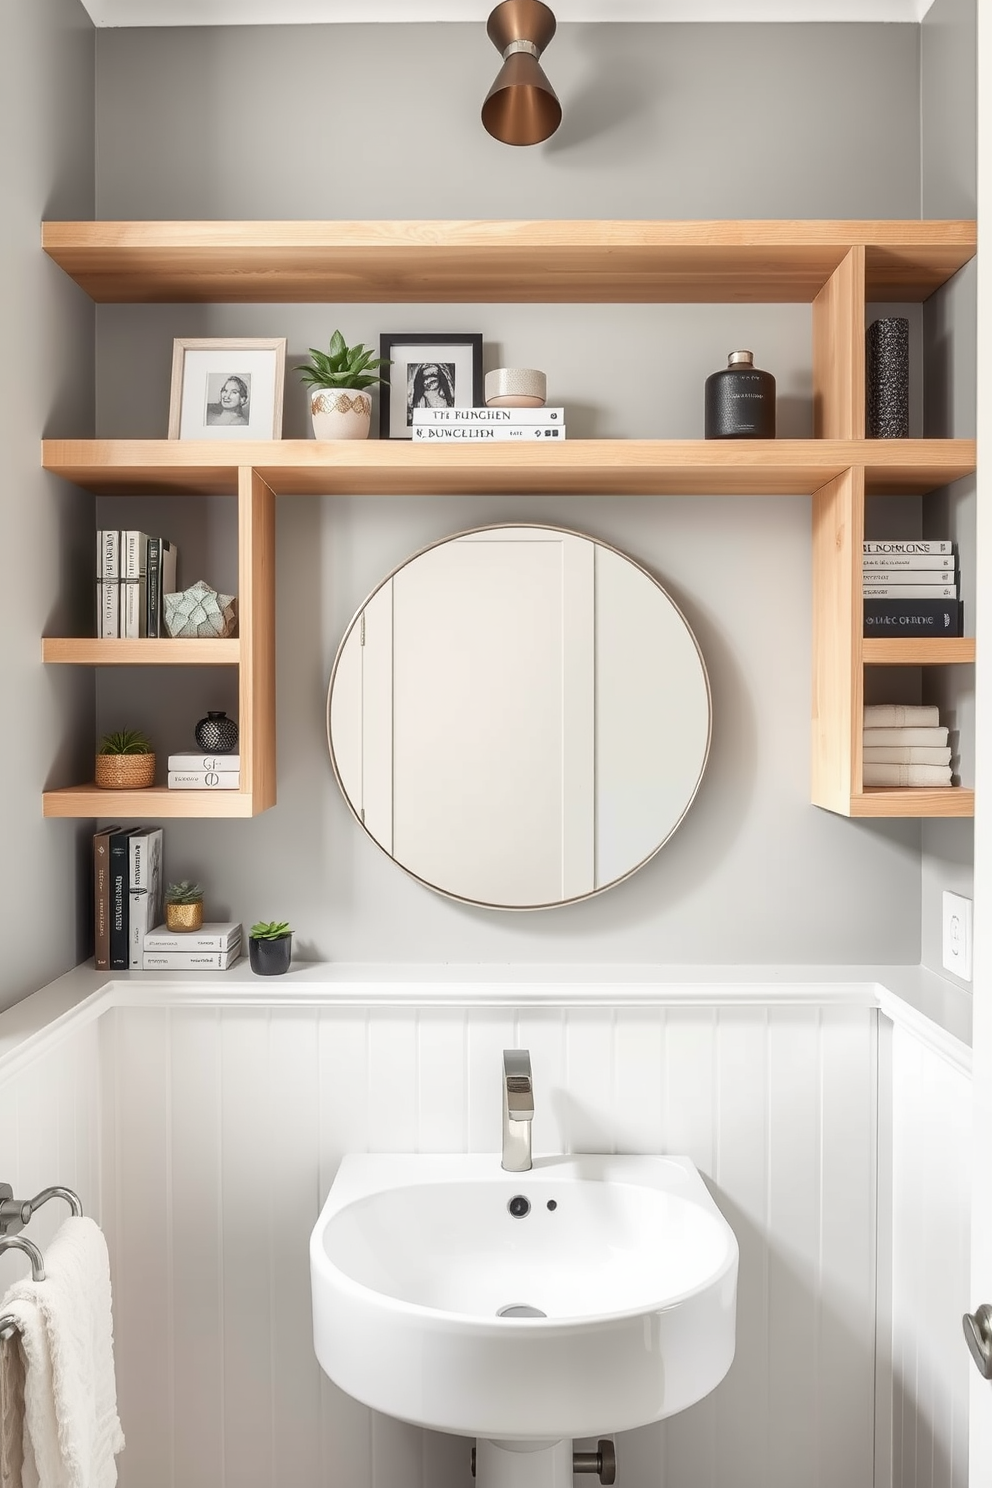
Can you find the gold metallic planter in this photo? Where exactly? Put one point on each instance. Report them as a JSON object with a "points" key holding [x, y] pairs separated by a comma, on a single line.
{"points": [[184, 916], [125, 771]]}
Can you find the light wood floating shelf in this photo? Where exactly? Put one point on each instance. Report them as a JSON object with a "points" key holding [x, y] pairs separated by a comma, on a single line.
{"points": [[516, 262], [650, 467], [157, 802], [836, 267], [89, 651], [893, 651]]}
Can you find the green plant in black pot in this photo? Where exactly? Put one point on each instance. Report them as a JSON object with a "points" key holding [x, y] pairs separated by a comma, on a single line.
{"points": [[270, 947]]}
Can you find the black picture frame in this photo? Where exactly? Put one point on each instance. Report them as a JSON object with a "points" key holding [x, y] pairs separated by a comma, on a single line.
{"points": [[459, 378]]}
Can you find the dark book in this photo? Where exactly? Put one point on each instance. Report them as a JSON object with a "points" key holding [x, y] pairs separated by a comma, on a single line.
{"points": [[160, 579], [101, 897], [912, 617], [118, 873]]}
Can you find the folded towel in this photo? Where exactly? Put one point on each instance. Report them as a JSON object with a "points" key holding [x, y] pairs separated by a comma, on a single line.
{"points": [[71, 1427], [929, 738], [899, 715], [905, 754], [911, 775], [11, 1413]]}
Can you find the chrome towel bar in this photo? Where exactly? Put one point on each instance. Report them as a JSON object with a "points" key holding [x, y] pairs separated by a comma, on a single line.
{"points": [[14, 1215]]}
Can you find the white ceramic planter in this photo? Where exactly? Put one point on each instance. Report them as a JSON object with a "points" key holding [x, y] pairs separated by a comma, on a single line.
{"points": [[343, 413]]}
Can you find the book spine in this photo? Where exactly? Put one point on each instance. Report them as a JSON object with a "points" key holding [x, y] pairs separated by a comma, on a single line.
{"points": [[899, 562], [134, 623], [119, 901], [108, 600], [488, 416], [186, 945], [170, 560], [198, 762], [153, 587], [910, 591], [448, 433], [918, 545], [903, 576], [108, 554], [914, 617], [204, 779], [190, 961], [145, 889], [101, 898]]}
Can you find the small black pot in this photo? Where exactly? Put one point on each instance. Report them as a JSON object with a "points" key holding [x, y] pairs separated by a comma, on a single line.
{"points": [[270, 957]]}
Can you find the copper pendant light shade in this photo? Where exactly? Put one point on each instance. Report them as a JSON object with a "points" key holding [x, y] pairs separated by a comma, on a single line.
{"points": [[521, 107]]}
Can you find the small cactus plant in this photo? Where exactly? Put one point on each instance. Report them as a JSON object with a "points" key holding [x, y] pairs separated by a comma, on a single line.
{"points": [[270, 930], [270, 947], [184, 892], [125, 741], [184, 905]]}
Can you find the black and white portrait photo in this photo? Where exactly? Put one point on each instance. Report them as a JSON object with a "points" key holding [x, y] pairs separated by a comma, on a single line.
{"points": [[429, 385], [228, 398]]}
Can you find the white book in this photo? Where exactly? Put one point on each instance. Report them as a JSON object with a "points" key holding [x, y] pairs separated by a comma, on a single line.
{"points": [[146, 888], [108, 609], [905, 754], [204, 780], [134, 568], [910, 591], [449, 433], [930, 738], [910, 545], [901, 715], [912, 775], [189, 960], [909, 575], [488, 416], [192, 759], [108, 554], [899, 562], [213, 935]]}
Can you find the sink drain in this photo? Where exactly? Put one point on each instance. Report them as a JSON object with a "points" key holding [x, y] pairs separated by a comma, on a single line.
{"points": [[519, 1309]]}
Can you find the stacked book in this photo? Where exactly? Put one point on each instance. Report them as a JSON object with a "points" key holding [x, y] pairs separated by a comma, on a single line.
{"points": [[214, 947], [192, 771], [910, 588], [128, 894], [479, 424], [133, 571], [905, 745]]}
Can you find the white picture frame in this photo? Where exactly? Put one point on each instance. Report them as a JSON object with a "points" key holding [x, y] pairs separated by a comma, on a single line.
{"points": [[227, 388]]}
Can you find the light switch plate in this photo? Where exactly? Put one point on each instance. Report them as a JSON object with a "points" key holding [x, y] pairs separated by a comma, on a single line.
{"points": [[956, 938]]}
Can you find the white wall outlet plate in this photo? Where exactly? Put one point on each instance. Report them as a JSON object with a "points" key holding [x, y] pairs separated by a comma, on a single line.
{"points": [[957, 935]]}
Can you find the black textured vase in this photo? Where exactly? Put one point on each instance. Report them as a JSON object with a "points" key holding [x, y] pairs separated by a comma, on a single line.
{"points": [[740, 401], [217, 734], [887, 379]]}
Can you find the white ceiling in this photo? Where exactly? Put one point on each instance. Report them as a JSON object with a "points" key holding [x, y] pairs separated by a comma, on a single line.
{"points": [[302, 12]]}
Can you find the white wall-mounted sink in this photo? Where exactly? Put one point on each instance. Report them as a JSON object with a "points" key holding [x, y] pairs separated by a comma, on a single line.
{"points": [[628, 1259]]}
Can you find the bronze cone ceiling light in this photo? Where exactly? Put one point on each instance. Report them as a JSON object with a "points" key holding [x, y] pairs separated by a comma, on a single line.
{"points": [[521, 107]]}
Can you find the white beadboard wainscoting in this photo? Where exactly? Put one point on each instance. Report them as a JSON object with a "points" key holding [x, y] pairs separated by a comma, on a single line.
{"points": [[204, 1129]]}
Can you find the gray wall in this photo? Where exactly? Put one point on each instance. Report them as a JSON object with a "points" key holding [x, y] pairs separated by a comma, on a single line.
{"points": [[46, 383], [234, 124], [948, 148]]}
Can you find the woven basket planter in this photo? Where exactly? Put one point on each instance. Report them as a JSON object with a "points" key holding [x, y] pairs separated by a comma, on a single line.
{"points": [[125, 771]]}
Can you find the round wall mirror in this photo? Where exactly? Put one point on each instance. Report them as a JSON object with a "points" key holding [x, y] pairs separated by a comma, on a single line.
{"points": [[519, 716]]}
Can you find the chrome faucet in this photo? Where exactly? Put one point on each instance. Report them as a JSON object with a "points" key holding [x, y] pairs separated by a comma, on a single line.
{"points": [[518, 1110]]}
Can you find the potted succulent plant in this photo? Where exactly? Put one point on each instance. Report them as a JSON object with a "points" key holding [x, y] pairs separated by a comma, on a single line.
{"points": [[339, 405], [184, 905], [270, 947], [125, 761]]}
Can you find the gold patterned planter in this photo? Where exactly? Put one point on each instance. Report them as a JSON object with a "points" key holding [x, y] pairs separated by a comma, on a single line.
{"points": [[125, 771], [184, 916], [340, 413]]}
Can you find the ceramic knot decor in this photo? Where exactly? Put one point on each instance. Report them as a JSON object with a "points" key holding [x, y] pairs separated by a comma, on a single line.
{"points": [[200, 611]]}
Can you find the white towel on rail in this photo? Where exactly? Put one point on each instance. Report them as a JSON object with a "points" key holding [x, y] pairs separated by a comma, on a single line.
{"points": [[71, 1427], [11, 1413]]}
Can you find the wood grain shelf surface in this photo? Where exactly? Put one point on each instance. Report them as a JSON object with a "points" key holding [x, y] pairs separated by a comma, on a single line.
{"points": [[94, 651], [501, 261], [783, 467], [951, 800], [895, 651], [157, 802]]}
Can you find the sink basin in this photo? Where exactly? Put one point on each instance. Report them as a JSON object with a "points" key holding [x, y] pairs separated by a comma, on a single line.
{"points": [[609, 1303]]}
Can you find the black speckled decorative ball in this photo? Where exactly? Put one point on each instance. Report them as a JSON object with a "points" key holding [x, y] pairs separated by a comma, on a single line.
{"points": [[887, 378], [217, 734]]}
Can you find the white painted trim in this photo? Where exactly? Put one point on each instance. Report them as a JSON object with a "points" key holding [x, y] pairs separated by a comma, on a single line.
{"points": [[934, 1011], [312, 12]]}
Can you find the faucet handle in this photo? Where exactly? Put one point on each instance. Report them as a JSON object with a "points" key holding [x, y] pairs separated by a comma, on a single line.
{"points": [[518, 1084]]}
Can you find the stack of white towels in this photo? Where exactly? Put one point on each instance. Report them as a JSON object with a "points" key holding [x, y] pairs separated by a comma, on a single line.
{"points": [[59, 1426], [905, 745]]}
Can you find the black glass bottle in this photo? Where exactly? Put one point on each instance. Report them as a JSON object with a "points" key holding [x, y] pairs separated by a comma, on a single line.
{"points": [[740, 400]]}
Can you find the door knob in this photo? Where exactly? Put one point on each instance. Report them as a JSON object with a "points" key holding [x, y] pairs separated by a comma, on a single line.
{"points": [[978, 1334]]}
